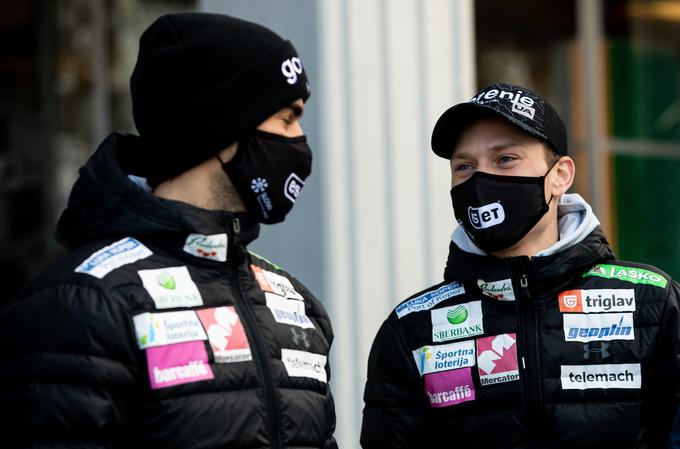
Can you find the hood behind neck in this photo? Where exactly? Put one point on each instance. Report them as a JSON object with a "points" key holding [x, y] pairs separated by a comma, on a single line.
{"points": [[576, 220]]}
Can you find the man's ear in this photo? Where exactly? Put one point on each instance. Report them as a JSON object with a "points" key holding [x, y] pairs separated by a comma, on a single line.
{"points": [[562, 176]]}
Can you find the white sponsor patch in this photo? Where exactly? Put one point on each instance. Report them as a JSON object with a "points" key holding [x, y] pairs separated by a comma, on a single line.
{"points": [[304, 364], [585, 377], [160, 329], [501, 290], [213, 247], [459, 321], [428, 300], [600, 327], [171, 287], [275, 283], [432, 359], [107, 259], [597, 300], [287, 311]]}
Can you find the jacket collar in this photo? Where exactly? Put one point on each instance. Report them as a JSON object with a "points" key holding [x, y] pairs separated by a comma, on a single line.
{"points": [[106, 204]]}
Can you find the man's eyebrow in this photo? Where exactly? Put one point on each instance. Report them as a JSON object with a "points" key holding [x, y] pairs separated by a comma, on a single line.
{"points": [[494, 149]]}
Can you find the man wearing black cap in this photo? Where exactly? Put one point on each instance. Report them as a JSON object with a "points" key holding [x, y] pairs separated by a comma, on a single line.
{"points": [[158, 328], [537, 337]]}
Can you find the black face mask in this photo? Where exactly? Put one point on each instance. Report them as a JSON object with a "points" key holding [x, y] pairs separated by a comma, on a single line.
{"points": [[498, 211], [269, 171]]}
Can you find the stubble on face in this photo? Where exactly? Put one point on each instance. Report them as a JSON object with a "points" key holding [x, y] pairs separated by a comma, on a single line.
{"points": [[224, 195]]}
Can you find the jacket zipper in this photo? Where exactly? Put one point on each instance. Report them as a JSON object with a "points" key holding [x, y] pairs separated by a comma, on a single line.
{"points": [[259, 353], [530, 359]]}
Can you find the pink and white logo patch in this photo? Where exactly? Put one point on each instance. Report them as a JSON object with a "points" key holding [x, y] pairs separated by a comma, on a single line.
{"points": [[448, 388], [497, 359], [226, 334], [181, 363]]}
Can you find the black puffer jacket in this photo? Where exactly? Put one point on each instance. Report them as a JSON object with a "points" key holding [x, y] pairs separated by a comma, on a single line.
{"points": [[571, 350], [158, 329]]}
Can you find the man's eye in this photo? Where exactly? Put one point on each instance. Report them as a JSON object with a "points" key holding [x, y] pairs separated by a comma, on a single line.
{"points": [[505, 159], [463, 167]]}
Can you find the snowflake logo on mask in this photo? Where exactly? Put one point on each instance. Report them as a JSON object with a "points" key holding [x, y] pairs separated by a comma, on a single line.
{"points": [[259, 185]]}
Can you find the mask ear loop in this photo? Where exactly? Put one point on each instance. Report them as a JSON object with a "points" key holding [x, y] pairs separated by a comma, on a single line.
{"points": [[222, 163]]}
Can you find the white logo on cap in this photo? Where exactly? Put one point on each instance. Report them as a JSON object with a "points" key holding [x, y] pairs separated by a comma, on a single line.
{"points": [[291, 68], [486, 216]]}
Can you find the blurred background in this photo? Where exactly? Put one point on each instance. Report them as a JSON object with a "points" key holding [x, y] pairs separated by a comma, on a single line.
{"points": [[373, 224]]}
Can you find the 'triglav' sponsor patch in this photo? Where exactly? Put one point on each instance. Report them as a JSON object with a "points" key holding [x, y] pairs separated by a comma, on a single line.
{"points": [[275, 283], [436, 358], [448, 388], [599, 327], [304, 364], [226, 334], [107, 259], [497, 359], [177, 364], [597, 300], [628, 274], [160, 329], [212, 247], [428, 300], [459, 321], [171, 287], [585, 377]]}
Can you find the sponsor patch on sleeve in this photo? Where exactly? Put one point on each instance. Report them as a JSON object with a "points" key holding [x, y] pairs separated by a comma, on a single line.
{"points": [[226, 334], [436, 358], [585, 377], [177, 364], [628, 274], [598, 327], [448, 388], [597, 300], [304, 364], [275, 283], [459, 321], [428, 300], [117, 254], [160, 329], [497, 359], [171, 287]]}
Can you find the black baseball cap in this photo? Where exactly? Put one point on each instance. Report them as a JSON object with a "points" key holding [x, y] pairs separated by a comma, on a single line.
{"points": [[517, 105]]}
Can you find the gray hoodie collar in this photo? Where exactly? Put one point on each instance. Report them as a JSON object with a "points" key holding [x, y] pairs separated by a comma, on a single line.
{"points": [[576, 221]]}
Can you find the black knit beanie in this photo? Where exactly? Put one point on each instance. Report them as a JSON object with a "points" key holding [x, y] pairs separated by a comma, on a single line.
{"points": [[202, 82]]}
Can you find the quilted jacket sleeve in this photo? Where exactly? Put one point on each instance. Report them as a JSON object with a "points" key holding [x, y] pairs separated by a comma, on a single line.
{"points": [[663, 385], [394, 412], [68, 370]]}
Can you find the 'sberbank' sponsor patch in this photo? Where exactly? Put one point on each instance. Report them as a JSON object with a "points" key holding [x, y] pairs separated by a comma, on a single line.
{"points": [[599, 327], [628, 274], [585, 377], [117, 254], [430, 299], [435, 358], [597, 300], [459, 321], [171, 287]]}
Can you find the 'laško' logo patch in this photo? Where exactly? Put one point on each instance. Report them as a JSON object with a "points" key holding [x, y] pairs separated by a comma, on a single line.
{"points": [[628, 274]]}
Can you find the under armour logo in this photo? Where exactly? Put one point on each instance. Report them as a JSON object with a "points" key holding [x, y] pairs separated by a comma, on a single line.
{"points": [[300, 337], [602, 350]]}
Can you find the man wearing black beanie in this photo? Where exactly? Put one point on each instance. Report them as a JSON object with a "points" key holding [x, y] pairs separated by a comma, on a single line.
{"points": [[159, 328]]}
